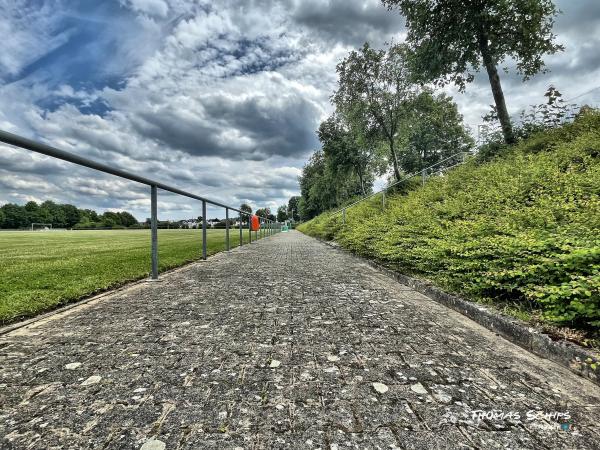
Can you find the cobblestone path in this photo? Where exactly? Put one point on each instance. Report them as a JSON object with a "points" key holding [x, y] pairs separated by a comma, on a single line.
{"points": [[286, 343]]}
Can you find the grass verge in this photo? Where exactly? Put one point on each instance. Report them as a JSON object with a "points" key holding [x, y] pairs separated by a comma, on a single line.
{"points": [[40, 271]]}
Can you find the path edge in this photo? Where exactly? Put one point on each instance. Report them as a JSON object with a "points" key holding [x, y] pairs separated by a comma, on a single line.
{"points": [[577, 359]]}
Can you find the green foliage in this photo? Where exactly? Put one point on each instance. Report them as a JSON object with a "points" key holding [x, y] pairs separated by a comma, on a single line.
{"points": [[432, 131], [282, 213], [382, 120], [491, 150], [322, 189], [451, 40], [520, 230], [244, 207], [61, 216], [553, 113], [265, 212], [346, 154], [374, 87], [446, 36], [294, 208]]}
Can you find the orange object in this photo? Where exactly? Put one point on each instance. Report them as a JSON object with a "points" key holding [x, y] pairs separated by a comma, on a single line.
{"points": [[254, 223]]}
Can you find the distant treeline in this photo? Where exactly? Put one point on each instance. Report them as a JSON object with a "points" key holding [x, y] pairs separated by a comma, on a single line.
{"points": [[13, 216]]}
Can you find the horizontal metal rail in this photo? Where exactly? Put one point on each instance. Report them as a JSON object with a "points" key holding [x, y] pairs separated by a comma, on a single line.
{"points": [[44, 149], [18, 141], [422, 173]]}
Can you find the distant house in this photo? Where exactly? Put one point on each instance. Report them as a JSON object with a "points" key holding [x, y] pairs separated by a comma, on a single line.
{"points": [[213, 222]]}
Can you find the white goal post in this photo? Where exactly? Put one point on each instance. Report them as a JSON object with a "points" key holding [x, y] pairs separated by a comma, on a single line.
{"points": [[41, 226]]}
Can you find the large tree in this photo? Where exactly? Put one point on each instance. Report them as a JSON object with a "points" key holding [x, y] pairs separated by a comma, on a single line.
{"points": [[127, 219], [32, 211], [293, 207], [453, 39], [345, 152], [247, 209], [266, 213], [433, 132], [322, 189], [73, 215], [374, 88], [282, 214]]}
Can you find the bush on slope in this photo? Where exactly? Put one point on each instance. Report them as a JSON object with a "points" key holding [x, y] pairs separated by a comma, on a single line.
{"points": [[520, 230]]}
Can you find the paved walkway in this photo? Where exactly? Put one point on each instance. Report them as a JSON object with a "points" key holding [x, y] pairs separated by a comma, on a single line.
{"points": [[286, 343]]}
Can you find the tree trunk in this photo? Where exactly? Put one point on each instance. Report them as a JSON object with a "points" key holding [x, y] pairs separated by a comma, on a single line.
{"points": [[492, 72], [362, 183], [394, 159]]}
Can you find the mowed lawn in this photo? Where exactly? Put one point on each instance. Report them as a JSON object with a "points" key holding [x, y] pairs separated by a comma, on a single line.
{"points": [[44, 269]]}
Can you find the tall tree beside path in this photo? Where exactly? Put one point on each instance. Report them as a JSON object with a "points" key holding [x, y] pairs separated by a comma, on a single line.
{"points": [[453, 39], [434, 133], [345, 153], [374, 88], [293, 206], [282, 214]]}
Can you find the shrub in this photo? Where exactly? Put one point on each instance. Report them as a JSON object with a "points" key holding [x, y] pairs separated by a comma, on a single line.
{"points": [[521, 229]]}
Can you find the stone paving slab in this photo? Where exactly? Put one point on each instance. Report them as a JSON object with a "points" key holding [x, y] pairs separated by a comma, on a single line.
{"points": [[286, 343]]}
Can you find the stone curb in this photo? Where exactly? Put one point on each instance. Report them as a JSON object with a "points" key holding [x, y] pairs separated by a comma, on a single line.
{"points": [[570, 355]]}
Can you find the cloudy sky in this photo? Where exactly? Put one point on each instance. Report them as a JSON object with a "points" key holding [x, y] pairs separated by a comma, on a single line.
{"points": [[219, 98]]}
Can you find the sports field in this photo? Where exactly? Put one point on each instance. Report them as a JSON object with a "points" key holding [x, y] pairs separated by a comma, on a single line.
{"points": [[43, 269]]}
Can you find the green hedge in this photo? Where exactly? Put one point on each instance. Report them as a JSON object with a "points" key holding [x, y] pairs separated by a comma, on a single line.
{"points": [[522, 230]]}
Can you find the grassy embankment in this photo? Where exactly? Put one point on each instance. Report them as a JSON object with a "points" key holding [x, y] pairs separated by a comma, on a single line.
{"points": [[41, 270], [521, 232]]}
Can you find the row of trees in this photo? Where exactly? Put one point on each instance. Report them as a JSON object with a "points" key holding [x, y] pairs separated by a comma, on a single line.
{"points": [[289, 211], [262, 212], [384, 123], [388, 117], [284, 212], [13, 216]]}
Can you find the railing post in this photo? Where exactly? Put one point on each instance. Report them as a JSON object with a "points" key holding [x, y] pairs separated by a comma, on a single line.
{"points": [[423, 176], [227, 228], [383, 200], [241, 233], [249, 229], [343, 216], [203, 229], [154, 230]]}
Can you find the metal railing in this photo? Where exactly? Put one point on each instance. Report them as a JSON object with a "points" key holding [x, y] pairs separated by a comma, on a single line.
{"points": [[268, 228], [462, 156]]}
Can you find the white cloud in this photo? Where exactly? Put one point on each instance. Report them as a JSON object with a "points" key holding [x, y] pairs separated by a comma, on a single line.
{"points": [[222, 100], [28, 32], [154, 8]]}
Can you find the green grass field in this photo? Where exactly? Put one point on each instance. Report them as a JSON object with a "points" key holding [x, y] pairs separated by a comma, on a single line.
{"points": [[42, 270]]}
